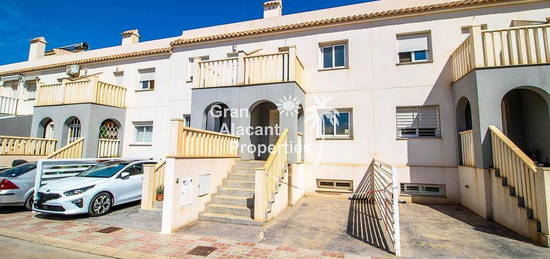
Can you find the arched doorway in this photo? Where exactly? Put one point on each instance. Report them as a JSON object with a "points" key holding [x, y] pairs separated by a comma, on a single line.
{"points": [[525, 120], [46, 128], [465, 132], [217, 117], [108, 143], [264, 119], [73, 127], [300, 135], [463, 115]]}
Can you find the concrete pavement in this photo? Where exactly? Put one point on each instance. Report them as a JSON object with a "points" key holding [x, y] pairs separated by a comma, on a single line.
{"points": [[20, 249]]}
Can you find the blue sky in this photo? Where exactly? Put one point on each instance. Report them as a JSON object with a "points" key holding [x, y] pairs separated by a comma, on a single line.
{"points": [[100, 22]]}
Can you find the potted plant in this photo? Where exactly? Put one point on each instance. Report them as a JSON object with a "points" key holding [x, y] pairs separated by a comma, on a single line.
{"points": [[160, 193]]}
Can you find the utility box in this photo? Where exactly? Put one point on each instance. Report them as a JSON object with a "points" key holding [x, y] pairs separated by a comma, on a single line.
{"points": [[186, 192], [204, 184]]}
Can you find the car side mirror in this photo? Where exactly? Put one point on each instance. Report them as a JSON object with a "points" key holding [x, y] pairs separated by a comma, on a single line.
{"points": [[124, 175]]}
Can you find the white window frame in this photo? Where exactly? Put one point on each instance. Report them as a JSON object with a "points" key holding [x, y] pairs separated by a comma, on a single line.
{"points": [[118, 75], [321, 114], [141, 81], [332, 46], [417, 134], [143, 124], [429, 56], [405, 189]]}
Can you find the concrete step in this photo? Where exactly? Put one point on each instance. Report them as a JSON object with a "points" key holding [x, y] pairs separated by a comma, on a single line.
{"points": [[226, 191], [229, 219], [228, 210], [238, 184], [232, 200], [241, 177]]}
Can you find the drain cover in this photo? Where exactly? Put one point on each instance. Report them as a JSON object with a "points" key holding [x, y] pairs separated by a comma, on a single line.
{"points": [[201, 250], [109, 230]]}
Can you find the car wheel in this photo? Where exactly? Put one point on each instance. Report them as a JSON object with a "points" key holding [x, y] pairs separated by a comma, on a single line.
{"points": [[100, 204], [28, 202]]}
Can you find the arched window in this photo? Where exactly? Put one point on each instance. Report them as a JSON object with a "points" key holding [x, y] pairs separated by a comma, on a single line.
{"points": [[74, 131], [109, 130], [46, 128]]}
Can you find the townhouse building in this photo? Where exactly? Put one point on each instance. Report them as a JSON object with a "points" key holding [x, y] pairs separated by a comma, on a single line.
{"points": [[383, 79]]}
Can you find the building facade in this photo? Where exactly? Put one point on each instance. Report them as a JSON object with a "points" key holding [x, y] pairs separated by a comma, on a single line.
{"points": [[360, 81]]}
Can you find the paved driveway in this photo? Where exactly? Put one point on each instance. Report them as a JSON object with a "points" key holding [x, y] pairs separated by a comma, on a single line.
{"points": [[337, 224]]}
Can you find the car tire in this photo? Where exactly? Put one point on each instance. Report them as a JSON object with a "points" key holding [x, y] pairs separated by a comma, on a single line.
{"points": [[100, 205], [28, 202]]}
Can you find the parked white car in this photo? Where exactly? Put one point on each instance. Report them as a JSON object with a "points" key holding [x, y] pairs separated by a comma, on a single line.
{"points": [[94, 191]]}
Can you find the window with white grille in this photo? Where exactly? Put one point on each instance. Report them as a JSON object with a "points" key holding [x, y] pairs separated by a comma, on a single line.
{"points": [[418, 121]]}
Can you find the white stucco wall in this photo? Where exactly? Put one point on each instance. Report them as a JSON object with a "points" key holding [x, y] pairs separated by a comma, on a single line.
{"points": [[372, 86]]}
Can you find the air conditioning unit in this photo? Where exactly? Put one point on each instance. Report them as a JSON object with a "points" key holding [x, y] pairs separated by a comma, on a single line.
{"points": [[73, 70]]}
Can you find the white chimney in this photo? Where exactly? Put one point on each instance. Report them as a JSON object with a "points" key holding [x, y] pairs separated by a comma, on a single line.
{"points": [[130, 37], [37, 48], [273, 8]]}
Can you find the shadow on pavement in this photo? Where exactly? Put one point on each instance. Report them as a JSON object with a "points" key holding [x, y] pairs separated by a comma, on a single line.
{"points": [[478, 223], [363, 220]]}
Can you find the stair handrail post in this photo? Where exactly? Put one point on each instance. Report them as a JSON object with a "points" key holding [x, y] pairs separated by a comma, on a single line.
{"points": [[477, 57], [175, 147], [542, 190], [292, 63], [259, 196], [197, 72]]}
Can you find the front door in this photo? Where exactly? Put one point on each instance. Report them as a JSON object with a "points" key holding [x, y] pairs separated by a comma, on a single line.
{"points": [[130, 188]]}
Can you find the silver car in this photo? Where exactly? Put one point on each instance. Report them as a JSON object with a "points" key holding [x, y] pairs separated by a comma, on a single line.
{"points": [[17, 185]]}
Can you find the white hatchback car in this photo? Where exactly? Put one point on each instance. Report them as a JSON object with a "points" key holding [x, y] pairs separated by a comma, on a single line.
{"points": [[94, 191]]}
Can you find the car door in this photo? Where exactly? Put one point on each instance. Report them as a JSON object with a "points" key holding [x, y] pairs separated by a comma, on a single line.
{"points": [[129, 189], [136, 181]]}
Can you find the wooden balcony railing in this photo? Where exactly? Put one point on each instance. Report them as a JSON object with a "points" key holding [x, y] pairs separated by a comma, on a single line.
{"points": [[8, 105], [197, 143], [248, 70], [467, 147], [108, 148], [527, 45], [89, 90], [24, 146]]}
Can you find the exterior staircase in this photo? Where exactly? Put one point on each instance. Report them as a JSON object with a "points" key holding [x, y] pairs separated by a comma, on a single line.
{"points": [[234, 201]]}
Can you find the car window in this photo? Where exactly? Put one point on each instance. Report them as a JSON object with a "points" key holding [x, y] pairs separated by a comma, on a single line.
{"points": [[136, 169], [18, 170], [104, 170]]}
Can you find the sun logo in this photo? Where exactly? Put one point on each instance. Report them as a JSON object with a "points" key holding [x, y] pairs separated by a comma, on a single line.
{"points": [[288, 105]]}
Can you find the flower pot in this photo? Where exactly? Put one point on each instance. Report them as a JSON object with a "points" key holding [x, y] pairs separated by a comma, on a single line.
{"points": [[160, 196]]}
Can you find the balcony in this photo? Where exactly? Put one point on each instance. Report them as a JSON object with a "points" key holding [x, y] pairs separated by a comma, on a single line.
{"points": [[250, 70], [8, 105], [88, 90], [517, 46]]}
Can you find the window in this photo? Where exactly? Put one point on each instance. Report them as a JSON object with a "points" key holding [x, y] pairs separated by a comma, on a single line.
{"points": [[143, 132], [419, 121], [423, 189], [30, 88], [135, 169], [119, 78], [187, 120], [346, 185], [333, 56], [336, 123], [414, 47], [191, 67], [147, 79]]}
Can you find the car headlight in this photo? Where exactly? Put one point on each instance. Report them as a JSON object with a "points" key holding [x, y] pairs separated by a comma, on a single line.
{"points": [[78, 191]]}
